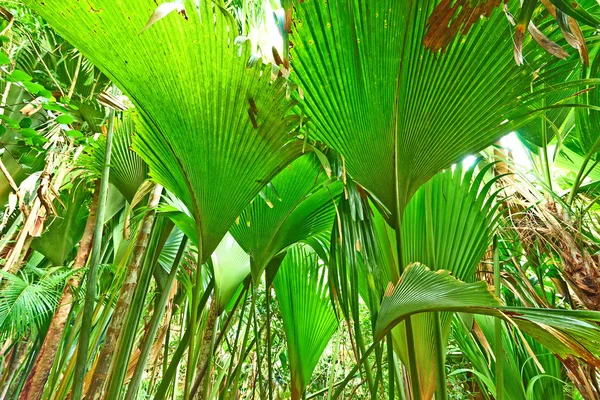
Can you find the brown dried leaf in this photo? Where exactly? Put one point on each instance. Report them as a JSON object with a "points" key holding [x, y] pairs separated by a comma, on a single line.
{"points": [[582, 46], [547, 44], [451, 17]]}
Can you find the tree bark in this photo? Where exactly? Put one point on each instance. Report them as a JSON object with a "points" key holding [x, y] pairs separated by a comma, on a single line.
{"points": [[201, 387], [34, 386], [100, 375]]}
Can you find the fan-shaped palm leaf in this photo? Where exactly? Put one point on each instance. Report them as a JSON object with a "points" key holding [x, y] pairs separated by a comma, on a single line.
{"points": [[447, 225], [397, 112], [225, 132], [27, 301], [564, 332], [300, 204], [127, 170], [309, 320]]}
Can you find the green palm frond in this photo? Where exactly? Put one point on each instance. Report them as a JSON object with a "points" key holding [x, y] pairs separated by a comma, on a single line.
{"points": [[127, 170], [26, 302], [563, 332], [309, 320], [227, 129], [299, 204], [396, 111], [447, 225]]}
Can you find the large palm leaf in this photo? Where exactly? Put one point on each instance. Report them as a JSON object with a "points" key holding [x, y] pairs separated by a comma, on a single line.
{"points": [[563, 332], [309, 320], [212, 129], [398, 112]]}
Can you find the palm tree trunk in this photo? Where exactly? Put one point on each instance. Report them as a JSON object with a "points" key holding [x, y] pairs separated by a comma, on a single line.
{"points": [[100, 375], [18, 355], [200, 389], [34, 386]]}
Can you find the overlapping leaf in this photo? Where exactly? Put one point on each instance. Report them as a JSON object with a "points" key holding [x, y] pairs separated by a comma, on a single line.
{"points": [[299, 204]]}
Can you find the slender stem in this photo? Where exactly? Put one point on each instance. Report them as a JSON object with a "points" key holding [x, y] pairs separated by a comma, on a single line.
{"points": [[353, 371], [163, 387], [410, 340], [191, 361], [135, 381], [237, 336], [257, 337], [498, 328], [334, 365], [579, 178], [113, 360], [90, 292], [442, 392], [391, 366], [268, 332], [545, 159]]}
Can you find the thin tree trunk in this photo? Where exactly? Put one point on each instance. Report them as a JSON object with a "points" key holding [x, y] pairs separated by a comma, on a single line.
{"points": [[34, 386], [100, 375], [17, 358], [200, 388]]}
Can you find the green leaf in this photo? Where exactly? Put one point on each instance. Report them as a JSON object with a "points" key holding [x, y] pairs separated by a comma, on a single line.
{"points": [[46, 94], [20, 76], [28, 132], [227, 130], [33, 88], [25, 123], [309, 321], [74, 134], [563, 332], [304, 206], [52, 106], [39, 140], [65, 119], [396, 111], [127, 170], [26, 303], [4, 59], [446, 226]]}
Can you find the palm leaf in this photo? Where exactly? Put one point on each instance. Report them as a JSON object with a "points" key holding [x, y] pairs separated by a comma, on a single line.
{"points": [[309, 320], [26, 302], [563, 332], [299, 204], [397, 112], [127, 170], [212, 129]]}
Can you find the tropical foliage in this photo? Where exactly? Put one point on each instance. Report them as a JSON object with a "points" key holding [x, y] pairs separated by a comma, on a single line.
{"points": [[299, 199]]}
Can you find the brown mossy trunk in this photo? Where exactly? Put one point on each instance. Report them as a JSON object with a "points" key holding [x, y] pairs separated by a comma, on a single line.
{"points": [[36, 380], [201, 387], [105, 359]]}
